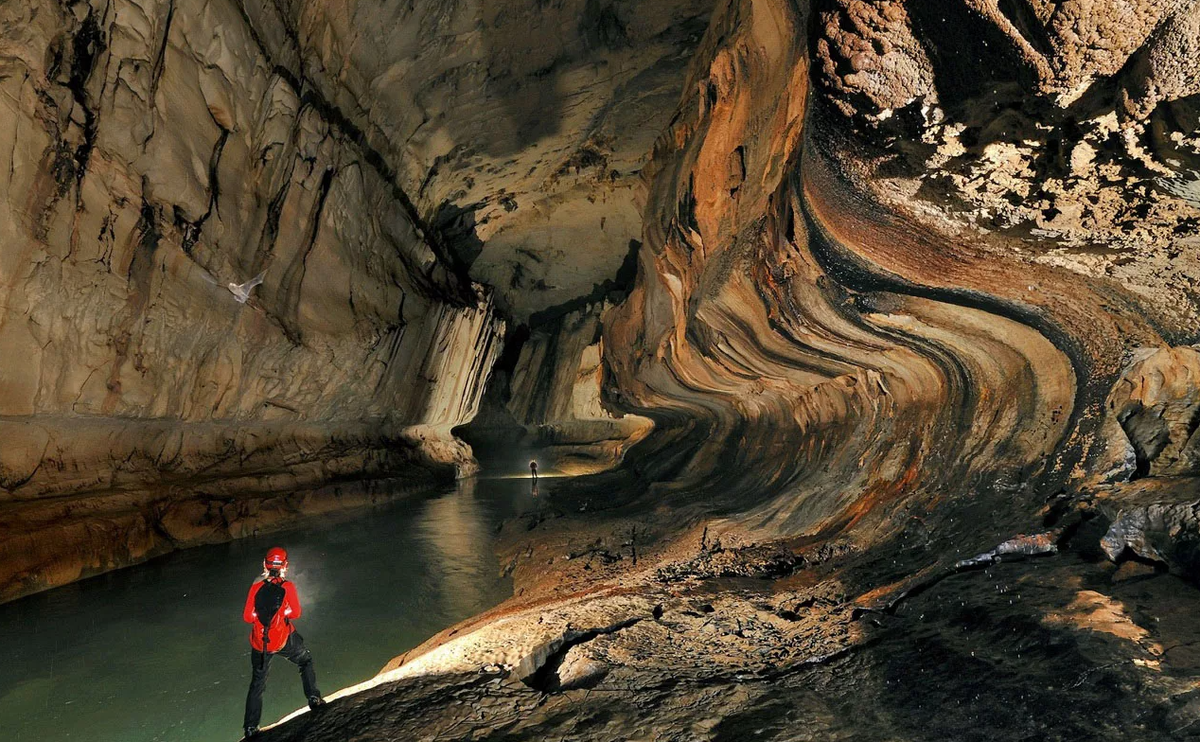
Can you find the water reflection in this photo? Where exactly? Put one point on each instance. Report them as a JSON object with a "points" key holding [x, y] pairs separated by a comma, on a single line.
{"points": [[452, 528], [159, 651]]}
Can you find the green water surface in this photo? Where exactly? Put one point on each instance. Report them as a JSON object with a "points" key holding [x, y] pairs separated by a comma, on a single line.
{"points": [[159, 651]]}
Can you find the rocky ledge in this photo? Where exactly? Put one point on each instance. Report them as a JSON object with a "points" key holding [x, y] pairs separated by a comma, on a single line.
{"points": [[1038, 636]]}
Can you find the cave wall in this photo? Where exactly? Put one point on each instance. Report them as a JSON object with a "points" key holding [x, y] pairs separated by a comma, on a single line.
{"points": [[546, 396], [879, 264], [891, 274], [519, 129], [156, 151]]}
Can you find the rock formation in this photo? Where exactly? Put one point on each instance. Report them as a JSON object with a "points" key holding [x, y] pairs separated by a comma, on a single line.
{"points": [[157, 152], [359, 160], [911, 321], [545, 395], [902, 389]]}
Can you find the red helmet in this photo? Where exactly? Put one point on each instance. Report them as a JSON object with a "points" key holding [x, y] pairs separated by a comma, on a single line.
{"points": [[276, 559]]}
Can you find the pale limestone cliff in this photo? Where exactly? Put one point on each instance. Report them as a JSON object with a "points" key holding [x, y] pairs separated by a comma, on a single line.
{"points": [[155, 153]]}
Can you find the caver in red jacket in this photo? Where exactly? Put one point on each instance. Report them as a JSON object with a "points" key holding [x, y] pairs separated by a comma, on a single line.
{"points": [[280, 627]]}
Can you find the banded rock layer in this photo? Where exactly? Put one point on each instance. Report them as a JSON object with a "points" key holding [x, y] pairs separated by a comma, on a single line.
{"points": [[814, 281]]}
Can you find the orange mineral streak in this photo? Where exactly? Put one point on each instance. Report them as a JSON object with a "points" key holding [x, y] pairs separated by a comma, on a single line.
{"points": [[906, 247], [880, 494], [823, 400]]}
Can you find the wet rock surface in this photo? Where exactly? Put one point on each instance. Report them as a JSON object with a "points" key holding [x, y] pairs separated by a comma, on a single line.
{"points": [[885, 310], [373, 163], [1154, 521], [1055, 649]]}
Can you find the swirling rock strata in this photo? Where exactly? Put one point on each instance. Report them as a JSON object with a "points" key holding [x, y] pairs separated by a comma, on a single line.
{"points": [[809, 283]]}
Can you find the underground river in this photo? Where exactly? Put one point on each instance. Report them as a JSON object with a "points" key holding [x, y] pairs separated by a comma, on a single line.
{"points": [[159, 651]]}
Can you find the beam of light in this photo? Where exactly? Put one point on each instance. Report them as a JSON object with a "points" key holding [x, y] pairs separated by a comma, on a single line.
{"points": [[540, 476], [458, 655]]}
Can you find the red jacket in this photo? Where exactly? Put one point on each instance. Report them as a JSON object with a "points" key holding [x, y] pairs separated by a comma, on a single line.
{"points": [[281, 625]]}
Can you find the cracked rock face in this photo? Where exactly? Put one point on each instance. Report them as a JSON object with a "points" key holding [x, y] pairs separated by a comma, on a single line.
{"points": [[359, 158], [1157, 403], [156, 152]]}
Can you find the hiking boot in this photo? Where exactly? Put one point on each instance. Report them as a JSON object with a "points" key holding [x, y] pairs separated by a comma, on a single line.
{"points": [[315, 702]]}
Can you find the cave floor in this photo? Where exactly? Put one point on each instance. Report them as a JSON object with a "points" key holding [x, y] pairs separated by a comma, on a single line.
{"points": [[1055, 648], [637, 623]]}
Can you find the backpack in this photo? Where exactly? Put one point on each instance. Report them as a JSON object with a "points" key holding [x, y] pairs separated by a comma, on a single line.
{"points": [[267, 602]]}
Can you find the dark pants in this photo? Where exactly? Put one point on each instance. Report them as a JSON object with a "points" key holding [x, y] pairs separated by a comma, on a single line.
{"points": [[293, 651]]}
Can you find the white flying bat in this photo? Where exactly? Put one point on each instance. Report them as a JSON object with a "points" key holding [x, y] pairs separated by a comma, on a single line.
{"points": [[240, 291]]}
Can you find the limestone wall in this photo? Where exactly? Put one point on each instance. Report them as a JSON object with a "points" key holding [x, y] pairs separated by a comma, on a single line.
{"points": [[156, 152]]}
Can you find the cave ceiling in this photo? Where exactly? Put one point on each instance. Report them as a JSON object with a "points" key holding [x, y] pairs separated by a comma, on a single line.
{"points": [[518, 128]]}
